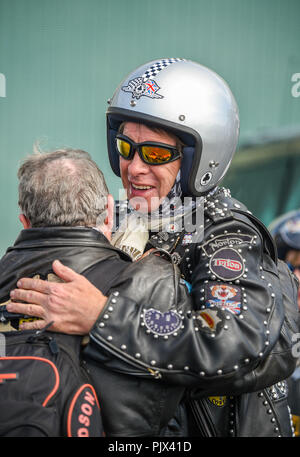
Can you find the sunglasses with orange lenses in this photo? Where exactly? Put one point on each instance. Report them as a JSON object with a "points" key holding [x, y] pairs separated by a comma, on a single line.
{"points": [[150, 152]]}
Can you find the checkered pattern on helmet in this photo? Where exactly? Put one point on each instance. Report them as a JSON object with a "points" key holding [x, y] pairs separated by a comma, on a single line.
{"points": [[158, 66]]}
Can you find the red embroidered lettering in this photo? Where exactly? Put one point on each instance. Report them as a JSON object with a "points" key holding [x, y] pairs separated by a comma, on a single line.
{"points": [[84, 420], [87, 409], [229, 264], [82, 432], [89, 397]]}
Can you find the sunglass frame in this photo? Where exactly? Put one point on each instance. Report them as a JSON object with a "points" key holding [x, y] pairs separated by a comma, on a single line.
{"points": [[175, 153]]}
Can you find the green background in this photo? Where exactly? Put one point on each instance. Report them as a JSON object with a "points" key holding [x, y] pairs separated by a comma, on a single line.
{"points": [[62, 60]]}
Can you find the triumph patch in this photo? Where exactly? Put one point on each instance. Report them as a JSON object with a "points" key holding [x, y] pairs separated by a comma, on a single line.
{"points": [[162, 324], [227, 264], [224, 296]]}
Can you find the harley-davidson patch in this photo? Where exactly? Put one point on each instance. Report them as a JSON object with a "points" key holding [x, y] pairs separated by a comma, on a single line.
{"points": [[224, 296], [227, 264], [162, 324], [84, 416]]}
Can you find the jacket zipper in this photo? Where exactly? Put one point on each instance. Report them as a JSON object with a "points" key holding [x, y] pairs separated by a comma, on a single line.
{"points": [[148, 371]]}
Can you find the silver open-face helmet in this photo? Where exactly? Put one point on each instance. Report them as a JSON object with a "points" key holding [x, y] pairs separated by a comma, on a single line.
{"points": [[192, 102]]}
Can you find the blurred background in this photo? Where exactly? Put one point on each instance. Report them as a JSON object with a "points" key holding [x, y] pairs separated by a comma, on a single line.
{"points": [[61, 60]]}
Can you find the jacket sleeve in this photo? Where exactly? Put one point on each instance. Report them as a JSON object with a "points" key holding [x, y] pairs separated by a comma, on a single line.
{"points": [[227, 341]]}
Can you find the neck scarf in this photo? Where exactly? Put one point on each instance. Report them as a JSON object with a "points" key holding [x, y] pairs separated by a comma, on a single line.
{"points": [[132, 234]]}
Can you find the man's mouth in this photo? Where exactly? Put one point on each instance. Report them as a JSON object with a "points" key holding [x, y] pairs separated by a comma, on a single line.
{"points": [[139, 187], [146, 195]]}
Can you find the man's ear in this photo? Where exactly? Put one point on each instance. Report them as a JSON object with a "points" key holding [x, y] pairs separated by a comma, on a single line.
{"points": [[109, 220], [107, 225], [24, 221]]}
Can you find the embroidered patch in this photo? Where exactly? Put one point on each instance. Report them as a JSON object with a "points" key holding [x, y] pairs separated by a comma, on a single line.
{"points": [[162, 323], [223, 241], [176, 258], [145, 85], [187, 239], [227, 264], [218, 401], [208, 319], [224, 296], [84, 417]]}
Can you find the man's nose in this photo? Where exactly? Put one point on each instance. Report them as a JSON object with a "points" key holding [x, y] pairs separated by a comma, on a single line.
{"points": [[137, 166]]}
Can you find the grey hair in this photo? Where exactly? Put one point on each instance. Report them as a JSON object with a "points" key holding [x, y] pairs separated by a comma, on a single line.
{"points": [[64, 187]]}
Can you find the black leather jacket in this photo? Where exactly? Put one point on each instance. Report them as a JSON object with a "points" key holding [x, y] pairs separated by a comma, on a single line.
{"points": [[150, 405], [231, 346], [164, 363]]}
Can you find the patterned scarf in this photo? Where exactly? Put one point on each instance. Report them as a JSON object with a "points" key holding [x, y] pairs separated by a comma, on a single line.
{"points": [[132, 234]]}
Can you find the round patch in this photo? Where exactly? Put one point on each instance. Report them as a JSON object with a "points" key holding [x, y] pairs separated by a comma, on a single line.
{"points": [[176, 258], [162, 323], [227, 264]]}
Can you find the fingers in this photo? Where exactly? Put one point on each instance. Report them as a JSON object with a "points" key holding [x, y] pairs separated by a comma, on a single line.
{"points": [[29, 296], [39, 285], [34, 284], [65, 273], [35, 325], [26, 309]]}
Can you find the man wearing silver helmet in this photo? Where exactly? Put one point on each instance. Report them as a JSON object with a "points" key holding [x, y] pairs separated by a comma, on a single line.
{"points": [[172, 130]]}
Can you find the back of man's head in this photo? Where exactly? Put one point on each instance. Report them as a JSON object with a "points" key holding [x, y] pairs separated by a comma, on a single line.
{"points": [[61, 188]]}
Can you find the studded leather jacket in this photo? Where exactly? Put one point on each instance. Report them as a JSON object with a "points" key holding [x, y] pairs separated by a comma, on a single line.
{"points": [[232, 351], [136, 405]]}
